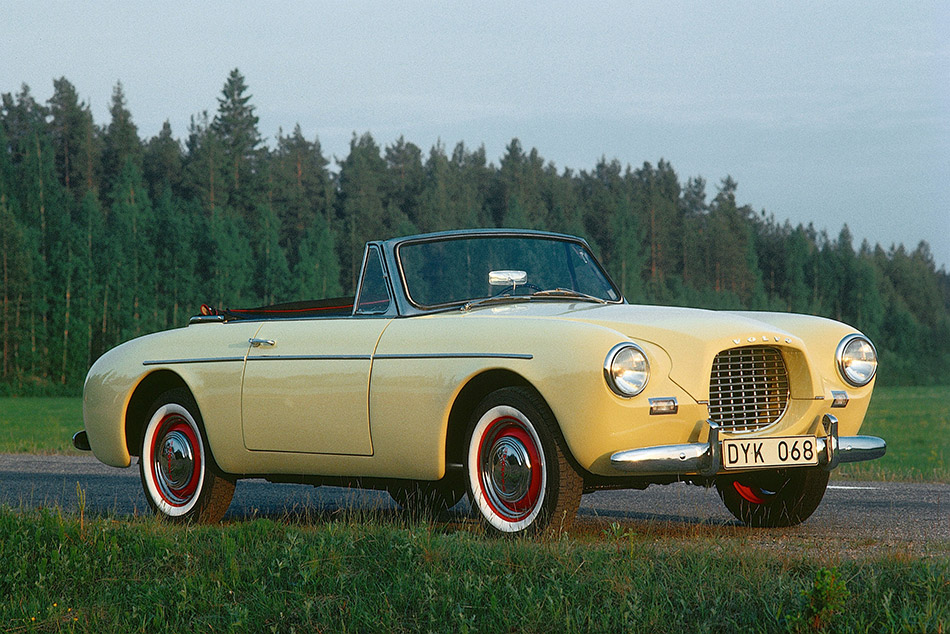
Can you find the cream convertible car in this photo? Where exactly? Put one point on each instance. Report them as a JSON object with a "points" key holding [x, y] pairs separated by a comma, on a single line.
{"points": [[501, 364]]}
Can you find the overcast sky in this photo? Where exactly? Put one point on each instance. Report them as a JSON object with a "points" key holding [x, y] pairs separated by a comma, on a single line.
{"points": [[828, 113]]}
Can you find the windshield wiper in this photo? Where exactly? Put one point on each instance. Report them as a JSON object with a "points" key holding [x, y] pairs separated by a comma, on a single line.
{"points": [[494, 298], [566, 292], [551, 292]]}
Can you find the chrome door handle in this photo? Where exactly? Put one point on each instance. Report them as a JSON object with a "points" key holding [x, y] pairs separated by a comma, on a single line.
{"points": [[262, 343]]}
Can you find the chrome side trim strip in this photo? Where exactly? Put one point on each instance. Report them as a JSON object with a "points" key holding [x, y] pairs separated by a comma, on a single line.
{"points": [[341, 357], [196, 360], [456, 355], [310, 357]]}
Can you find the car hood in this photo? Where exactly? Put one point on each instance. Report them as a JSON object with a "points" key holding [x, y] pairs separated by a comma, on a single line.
{"points": [[691, 337], [693, 327]]}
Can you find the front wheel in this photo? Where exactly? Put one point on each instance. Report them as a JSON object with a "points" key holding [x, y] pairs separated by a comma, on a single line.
{"points": [[179, 476], [519, 478], [783, 497]]}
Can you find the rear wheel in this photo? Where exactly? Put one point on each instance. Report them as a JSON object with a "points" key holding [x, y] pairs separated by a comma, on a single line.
{"points": [[179, 476], [783, 497], [519, 478]]}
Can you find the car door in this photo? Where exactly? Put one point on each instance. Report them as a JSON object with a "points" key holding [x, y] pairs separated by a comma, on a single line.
{"points": [[306, 382]]}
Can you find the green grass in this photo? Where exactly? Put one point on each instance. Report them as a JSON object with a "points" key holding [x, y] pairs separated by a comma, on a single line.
{"points": [[39, 425], [915, 421], [66, 574]]}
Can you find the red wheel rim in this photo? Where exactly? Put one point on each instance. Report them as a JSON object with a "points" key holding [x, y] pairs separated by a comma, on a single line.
{"points": [[176, 460], [749, 494], [510, 469]]}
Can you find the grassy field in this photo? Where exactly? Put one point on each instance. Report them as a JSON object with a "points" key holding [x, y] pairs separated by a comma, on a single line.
{"points": [[100, 575], [915, 422], [39, 425]]}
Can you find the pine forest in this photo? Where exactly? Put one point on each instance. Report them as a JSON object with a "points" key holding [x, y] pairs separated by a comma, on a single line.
{"points": [[105, 236]]}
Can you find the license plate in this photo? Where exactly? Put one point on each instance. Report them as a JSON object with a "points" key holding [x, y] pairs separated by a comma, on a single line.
{"points": [[769, 452]]}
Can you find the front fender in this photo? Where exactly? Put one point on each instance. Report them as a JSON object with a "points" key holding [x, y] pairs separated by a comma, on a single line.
{"points": [[109, 386]]}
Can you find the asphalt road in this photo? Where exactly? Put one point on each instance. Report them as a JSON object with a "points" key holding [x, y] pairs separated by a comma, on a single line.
{"points": [[854, 517]]}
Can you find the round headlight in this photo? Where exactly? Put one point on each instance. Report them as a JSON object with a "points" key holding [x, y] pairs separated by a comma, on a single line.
{"points": [[626, 369], [857, 360]]}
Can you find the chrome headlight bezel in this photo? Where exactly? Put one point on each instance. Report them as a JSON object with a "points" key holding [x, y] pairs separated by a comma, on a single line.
{"points": [[624, 353], [844, 361]]}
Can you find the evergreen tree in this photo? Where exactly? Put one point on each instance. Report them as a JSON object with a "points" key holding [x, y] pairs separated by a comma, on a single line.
{"points": [[130, 270], [317, 269], [235, 125], [43, 209], [175, 246], [227, 258], [205, 167], [613, 225], [121, 140], [16, 276], [562, 199], [866, 306], [449, 197], [89, 228], [163, 162], [695, 246], [436, 205], [362, 175], [71, 309], [798, 252], [472, 169], [598, 206], [22, 116], [75, 139], [520, 177], [405, 178], [302, 188], [665, 228], [628, 231], [271, 274], [736, 268]]}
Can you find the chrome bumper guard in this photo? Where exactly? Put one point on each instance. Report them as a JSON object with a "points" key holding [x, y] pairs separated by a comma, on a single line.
{"points": [[705, 458], [81, 441]]}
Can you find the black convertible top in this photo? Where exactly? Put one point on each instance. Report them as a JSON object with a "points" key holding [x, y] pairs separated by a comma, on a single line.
{"points": [[333, 306]]}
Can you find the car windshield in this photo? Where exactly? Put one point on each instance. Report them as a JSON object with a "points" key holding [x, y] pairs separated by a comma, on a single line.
{"points": [[456, 270]]}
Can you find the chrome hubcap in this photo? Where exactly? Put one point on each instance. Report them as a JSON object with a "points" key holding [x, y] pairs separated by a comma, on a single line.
{"points": [[175, 466], [176, 461], [509, 470]]}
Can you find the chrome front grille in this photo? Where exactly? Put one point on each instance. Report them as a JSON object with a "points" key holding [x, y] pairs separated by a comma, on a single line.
{"points": [[748, 388]]}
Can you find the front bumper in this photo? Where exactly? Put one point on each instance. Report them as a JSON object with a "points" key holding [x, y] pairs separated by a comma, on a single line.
{"points": [[705, 458]]}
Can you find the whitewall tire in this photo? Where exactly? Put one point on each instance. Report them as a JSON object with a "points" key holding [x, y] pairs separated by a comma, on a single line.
{"points": [[179, 476], [519, 478]]}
